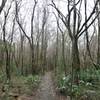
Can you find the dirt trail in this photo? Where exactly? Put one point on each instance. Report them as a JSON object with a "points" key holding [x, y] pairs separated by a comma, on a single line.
{"points": [[46, 90]]}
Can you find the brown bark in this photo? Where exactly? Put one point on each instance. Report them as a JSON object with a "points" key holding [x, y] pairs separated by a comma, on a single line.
{"points": [[75, 61]]}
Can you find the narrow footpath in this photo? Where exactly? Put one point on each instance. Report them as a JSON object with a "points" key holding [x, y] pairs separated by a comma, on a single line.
{"points": [[46, 90]]}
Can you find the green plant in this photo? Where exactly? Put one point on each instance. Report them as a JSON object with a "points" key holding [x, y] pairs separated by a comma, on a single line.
{"points": [[63, 83], [89, 80], [90, 76], [32, 80], [2, 78]]}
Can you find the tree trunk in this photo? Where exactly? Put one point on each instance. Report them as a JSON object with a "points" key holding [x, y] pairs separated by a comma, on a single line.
{"points": [[33, 62], [75, 61], [8, 65], [22, 62], [56, 54], [37, 53], [98, 52], [63, 53], [21, 54]]}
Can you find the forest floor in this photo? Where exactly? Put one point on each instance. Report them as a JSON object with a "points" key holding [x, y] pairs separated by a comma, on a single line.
{"points": [[46, 90]]}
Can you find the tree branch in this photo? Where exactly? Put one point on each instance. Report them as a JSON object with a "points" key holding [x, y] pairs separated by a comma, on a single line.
{"points": [[2, 5]]}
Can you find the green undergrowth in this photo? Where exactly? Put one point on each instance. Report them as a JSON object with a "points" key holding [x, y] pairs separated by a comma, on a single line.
{"points": [[19, 85], [88, 88]]}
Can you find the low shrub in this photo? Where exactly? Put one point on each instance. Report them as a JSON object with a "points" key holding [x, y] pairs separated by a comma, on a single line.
{"points": [[89, 80], [32, 80]]}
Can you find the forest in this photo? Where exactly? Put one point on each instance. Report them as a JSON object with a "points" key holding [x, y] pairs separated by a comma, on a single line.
{"points": [[49, 49]]}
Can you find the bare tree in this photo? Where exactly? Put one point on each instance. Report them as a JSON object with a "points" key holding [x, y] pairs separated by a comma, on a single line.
{"points": [[30, 39], [72, 22], [43, 39], [38, 38], [7, 44], [98, 52], [63, 43], [22, 38]]}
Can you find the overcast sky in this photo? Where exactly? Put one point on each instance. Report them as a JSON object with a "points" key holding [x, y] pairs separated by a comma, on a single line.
{"points": [[27, 5]]}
